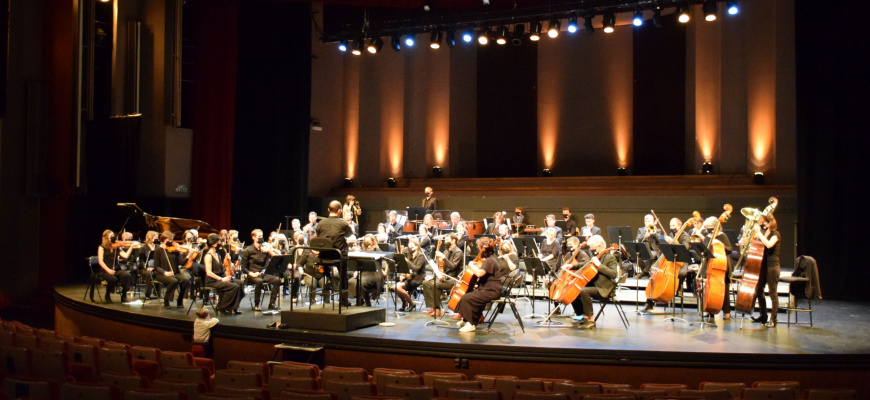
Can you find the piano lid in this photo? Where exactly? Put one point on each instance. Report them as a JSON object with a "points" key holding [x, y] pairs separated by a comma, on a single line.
{"points": [[160, 224]]}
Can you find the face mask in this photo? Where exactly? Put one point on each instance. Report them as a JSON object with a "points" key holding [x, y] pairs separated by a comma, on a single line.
{"points": [[565, 215], [517, 213], [764, 227], [260, 240], [282, 242], [594, 252]]}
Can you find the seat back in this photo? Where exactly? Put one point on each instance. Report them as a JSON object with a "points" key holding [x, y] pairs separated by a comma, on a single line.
{"points": [[344, 374], [90, 391], [783, 393], [236, 378], [576, 391], [411, 392], [430, 377], [671, 389], [50, 365], [442, 386], [26, 340], [117, 346], [176, 359], [96, 342], [382, 380], [535, 395], [474, 394], [219, 396], [640, 394], [148, 394], [488, 381], [46, 334], [279, 383], [116, 361], [188, 374], [345, 389], [146, 353], [720, 394], [549, 382], [190, 389], [507, 387], [295, 370], [123, 382], [21, 388], [794, 385], [17, 361], [51, 345], [7, 337], [297, 394], [830, 394], [259, 392], [611, 388], [259, 368], [733, 388]]}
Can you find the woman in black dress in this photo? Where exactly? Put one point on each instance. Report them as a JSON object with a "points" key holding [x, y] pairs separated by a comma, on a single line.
{"points": [[110, 272], [472, 303], [216, 277], [417, 264], [767, 232]]}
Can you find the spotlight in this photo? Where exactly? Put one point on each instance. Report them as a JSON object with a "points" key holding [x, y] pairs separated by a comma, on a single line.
{"points": [[587, 23], [547, 172], [437, 172], [638, 19], [709, 8], [621, 171], [483, 37], [684, 15], [609, 22], [435, 40], [732, 7], [758, 178], [519, 31], [467, 36], [657, 17], [357, 47], [501, 38], [572, 25], [553, 30], [375, 45], [342, 46], [486, 2], [395, 43], [427, 7], [707, 168], [409, 40], [348, 182], [535, 31], [391, 182], [451, 38]]}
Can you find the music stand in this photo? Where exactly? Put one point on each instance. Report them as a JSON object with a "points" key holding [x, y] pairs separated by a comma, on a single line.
{"points": [[675, 253], [359, 266], [619, 234], [535, 265], [401, 268], [390, 260], [416, 213], [706, 253], [273, 268], [520, 246], [638, 251], [384, 247]]}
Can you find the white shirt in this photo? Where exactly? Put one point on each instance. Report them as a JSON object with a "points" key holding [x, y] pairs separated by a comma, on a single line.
{"points": [[202, 329]]}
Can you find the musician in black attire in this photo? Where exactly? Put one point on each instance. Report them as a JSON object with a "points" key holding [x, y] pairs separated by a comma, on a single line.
{"points": [[767, 232], [649, 234], [462, 237], [575, 257], [254, 261], [551, 250], [508, 261], [430, 202], [216, 277], [393, 227], [145, 260], [336, 230], [425, 240], [570, 223], [372, 281], [417, 264], [675, 225], [473, 302], [600, 286], [707, 230], [167, 270], [589, 229], [453, 264], [110, 272]]}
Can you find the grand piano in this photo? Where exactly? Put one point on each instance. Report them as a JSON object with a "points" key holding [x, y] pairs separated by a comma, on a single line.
{"points": [[160, 224]]}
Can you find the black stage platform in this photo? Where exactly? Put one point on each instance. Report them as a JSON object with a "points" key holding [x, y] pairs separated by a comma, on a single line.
{"points": [[840, 337]]}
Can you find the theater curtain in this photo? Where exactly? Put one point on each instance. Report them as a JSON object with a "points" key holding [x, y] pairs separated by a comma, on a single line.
{"points": [[215, 33]]}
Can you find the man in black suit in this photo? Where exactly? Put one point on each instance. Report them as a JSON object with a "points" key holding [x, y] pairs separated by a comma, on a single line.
{"points": [[429, 202], [649, 234], [600, 286], [393, 226], [589, 229], [336, 230]]}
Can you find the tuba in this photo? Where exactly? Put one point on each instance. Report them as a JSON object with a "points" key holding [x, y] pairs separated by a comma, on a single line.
{"points": [[752, 215]]}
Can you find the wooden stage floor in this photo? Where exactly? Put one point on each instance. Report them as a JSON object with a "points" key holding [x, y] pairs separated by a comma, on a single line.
{"points": [[839, 338]]}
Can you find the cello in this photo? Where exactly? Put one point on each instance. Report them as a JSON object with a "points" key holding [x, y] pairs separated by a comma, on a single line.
{"points": [[568, 285], [662, 282], [752, 267], [468, 279], [714, 287]]}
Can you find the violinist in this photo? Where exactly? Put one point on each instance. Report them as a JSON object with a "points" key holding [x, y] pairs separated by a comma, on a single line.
{"points": [[589, 229], [382, 237], [768, 233], [254, 261], [393, 227], [453, 264], [111, 273], [316, 276], [372, 281], [146, 255], [674, 226], [429, 223], [551, 249], [707, 230], [216, 277], [128, 254], [473, 302], [649, 234], [429, 202], [599, 287], [417, 264], [424, 239], [462, 235], [570, 223], [293, 273], [168, 271], [550, 222]]}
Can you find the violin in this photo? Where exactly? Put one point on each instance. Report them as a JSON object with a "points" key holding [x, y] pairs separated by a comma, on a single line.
{"points": [[176, 249], [126, 243]]}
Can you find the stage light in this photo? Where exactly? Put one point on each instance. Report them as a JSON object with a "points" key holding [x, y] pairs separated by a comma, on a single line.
{"points": [[553, 30], [348, 182], [547, 172], [391, 182], [587, 23], [395, 43], [467, 36], [501, 38], [451, 38], [707, 168], [435, 40], [519, 31], [572, 25], [657, 17], [638, 19], [375, 45], [357, 47], [609, 22], [486, 2], [342, 46], [621, 171], [709, 8], [535, 31], [483, 37], [409, 40], [684, 15], [758, 178], [733, 9], [437, 172]]}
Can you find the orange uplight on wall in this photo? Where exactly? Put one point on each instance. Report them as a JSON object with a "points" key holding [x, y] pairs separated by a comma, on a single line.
{"points": [[548, 133], [392, 128], [762, 128], [351, 120]]}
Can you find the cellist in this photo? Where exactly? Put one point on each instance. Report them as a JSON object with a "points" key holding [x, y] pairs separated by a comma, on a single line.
{"points": [[599, 287], [453, 264], [472, 303]]}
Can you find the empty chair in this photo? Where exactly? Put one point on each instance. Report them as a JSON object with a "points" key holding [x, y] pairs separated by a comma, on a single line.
{"points": [[536, 395], [116, 361], [611, 396], [83, 361], [46, 334], [235, 378], [382, 380], [474, 394], [375, 398], [18, 388], [768, 394], [442, 386], [96, 342], [123, 382], [641, 394], [507, 387], [25, 340], [719, 394], [391, 371], [299, 394], [344, 374], [296, 370], [576, 391], [65, 338], [345, 389], [259, 392], [188, 374], [488, 381], [116, 345], [410, 392], [190, 389], [51, 345], [7, 338], [89, 391], [796, 386], [206, 363], [50, 365], [549, 382], [23, 329], [176, 359], [146, 353], [16, 361], [733, 388], [671, 389], [429, 377], [223, 396], [259, 368], [149, 394], [610, 388], [279, 383], [830, 394], [147, 369]]}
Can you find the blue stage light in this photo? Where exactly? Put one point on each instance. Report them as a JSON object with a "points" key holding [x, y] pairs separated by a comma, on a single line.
{"points": [[342, 46], [467, 37], [572, 25], [638, 19], [409, 40], [732, 8]]}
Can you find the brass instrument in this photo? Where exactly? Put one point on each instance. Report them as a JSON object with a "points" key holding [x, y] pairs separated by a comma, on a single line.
{"points": [[752, 215]]}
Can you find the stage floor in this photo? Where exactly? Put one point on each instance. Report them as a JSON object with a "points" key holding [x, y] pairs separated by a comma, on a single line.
{"points": [[840, 336]]}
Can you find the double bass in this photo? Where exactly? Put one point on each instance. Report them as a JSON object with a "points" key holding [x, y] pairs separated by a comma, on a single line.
{"points": [[568, 285], [468, 279], [662, 282], [752, 267], [714, 287]]}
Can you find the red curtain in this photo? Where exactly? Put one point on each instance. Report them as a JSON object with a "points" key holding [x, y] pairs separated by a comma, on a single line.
{"points": [[215, 33]]}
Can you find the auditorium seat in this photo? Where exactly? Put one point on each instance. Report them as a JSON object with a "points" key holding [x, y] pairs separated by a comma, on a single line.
{"points": [[576, 391], [429, 377], [720, 394], [259, 392], [51, 345], [784, 393], [382, 380], [21, 388], [190, 389], [536, 395], [345, 389], [301, 364], [147, 369], [611, 388], [236, 378], [474, 394], [117, 346], [28, 341], [391, 371], [671, 389], [507, 387], [24, 329], [258, 368], [150, 394], [89, 391], [206, 363], [176, 359], [298, 394], [96, 342], [830, 394], [222, 396], [65, 338], [123, 382], [488, 381], [50, 365], [410, 392], [734, 388], [344, 374], [609, 396], [84, 361], [16, 360], [7, 338], [279, 383], [549, 382], [189, 374], [146, 353], [376, 397], [296, 370], [641, 394], [442, 386], [46, 334], [796, 386], [116, 361]]}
